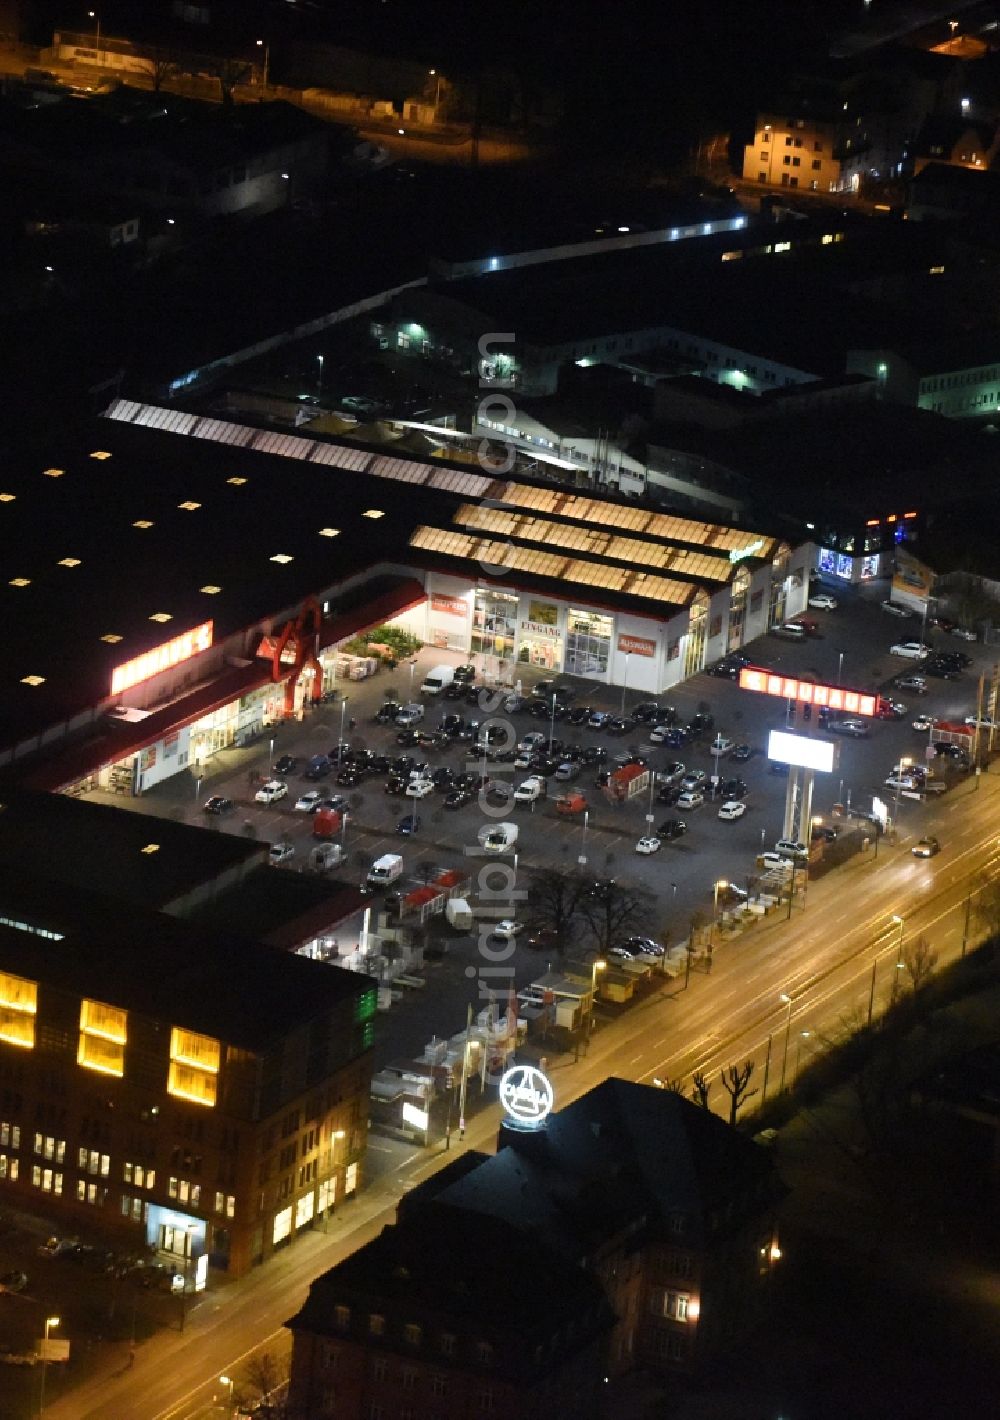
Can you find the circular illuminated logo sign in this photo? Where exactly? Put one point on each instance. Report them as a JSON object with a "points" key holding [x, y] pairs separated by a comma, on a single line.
{"points": [[526, 1095]]}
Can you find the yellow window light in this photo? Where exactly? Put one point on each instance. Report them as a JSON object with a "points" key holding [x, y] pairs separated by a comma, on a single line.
{"points": [[194, 1066], [143, 523], [373, 513], [282, 557], [8, 497], [189, 507], [69, 562], [210, 589], [20, 582], [162, 616], [103, 1034], [329, 532], [101, 454], [54, 472], [150, 848], [32, 680], [18, 1009], [236, 481], [112, 638]]}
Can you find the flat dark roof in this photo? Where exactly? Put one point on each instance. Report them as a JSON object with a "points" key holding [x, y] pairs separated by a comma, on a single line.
{"points": [[205, 979], [79, 845]]}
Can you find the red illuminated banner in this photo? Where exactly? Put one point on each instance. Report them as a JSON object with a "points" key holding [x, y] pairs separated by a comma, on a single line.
{"points": [[808, 692], [161, 658]]}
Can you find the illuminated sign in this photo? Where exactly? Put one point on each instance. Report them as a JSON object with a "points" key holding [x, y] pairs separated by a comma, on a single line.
{"points": [[801, 750], [808, 692], [161, 658], [636, 646], [526, 1095], [451, 606], [739, 553]]}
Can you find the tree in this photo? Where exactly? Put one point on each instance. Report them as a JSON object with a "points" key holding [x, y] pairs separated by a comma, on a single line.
{"points": [[736, 1083], [698, 921], [230, 73], [554, 899], [427, 872], [673, 1085], [986, 905], [160, 66], [701, 1089], [919, 960], [265, 1379], [611, 909]]}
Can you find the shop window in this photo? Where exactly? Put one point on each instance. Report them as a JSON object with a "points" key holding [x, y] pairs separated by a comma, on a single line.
{"points": [[827, 559], [869, 568], [304, 1210], [844, 564], [588, 643], [282, 1226], [102, 1038], [194, 1066], [18, 1009]]}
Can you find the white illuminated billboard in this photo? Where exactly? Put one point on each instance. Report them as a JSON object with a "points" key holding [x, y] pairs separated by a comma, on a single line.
{"points": [[801, 750]]}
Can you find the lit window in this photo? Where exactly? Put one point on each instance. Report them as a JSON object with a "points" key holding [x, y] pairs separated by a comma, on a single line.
{"points": [[238, 482], [69, 562], [142, 523], [281, 557], [32, 680], [210, 590], [188, 506], [54, 472], [373, 513], [412, 1334], [376, 1324], [162, 616], [329, 532], [18, 1008], [20, 581], [100, 454], [111, 637], [102, 1038], [194, 1066], [7, 497], [150, 848]]}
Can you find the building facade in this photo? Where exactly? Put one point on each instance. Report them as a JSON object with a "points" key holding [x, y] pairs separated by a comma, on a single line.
{"points": [[212, 1132], [793, 152]]}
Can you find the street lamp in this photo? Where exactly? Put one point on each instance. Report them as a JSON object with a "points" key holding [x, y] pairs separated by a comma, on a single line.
{"points": [[265, 46], [625, 681], [803, 1035], [788, 1027], [50, 1322], [582, 860], [189, 1244], [597, 966], [343, 716], [552, 724], [97, 38], [840, 665], [228, 1381], [319, 381]]}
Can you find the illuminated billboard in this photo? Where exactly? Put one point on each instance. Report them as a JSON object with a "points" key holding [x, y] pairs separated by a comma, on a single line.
{"points": [[161, 658], [801, 750], [808, 692]]}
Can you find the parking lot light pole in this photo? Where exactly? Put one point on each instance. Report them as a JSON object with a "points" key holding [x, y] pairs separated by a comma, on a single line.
{"points": [[788, 1030], [50, 1322], [625, 681], [343, 715], [552, 724], [582, 860], [231, 1384]]}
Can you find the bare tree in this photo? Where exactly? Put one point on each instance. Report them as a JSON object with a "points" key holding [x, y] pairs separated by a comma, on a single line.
{"points": [[736, 1083], [160, 65], [986, 905], [612, 908], [230, 73], [919, 960], [554, 900], [698, 921], [701, 1089], [427, 872], [673, 1085], [264, 1387]]}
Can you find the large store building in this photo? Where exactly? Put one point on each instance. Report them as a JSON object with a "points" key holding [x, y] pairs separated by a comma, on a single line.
{"points": [[196, 578]]}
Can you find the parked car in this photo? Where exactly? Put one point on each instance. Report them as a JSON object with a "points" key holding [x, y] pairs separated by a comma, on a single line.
{"points": [[895, 610], [56, 1247], [924, 722], [15, 1281], [466, 673], [646, 712], [285, 764], [822, 601], [693, 779], [507, 929], [691, 799], [776, 862], [408, 825], [648, 844], [668, 794], [306, 803], [912, 650], [732, 809], [733, 789], [741, 753], [672, 772], [271, 792], [890, 710], [963, 633], [386, 714], [791, 848], [281, 852], [218, 805], [720, 746], [855, 729], [915, 683], [643, 946], [458, 798], [419, 788], [671, 828]]}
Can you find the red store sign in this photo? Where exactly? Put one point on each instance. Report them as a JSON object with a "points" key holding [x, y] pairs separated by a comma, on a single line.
{"points": [[451, 606], [636, 646]]}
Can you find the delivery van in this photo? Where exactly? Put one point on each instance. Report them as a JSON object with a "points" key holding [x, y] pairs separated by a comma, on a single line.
{"points": [[385, 870], [438, 680], [498, 838]]}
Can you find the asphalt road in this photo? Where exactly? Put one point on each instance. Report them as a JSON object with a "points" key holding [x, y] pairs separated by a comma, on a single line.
{"points": [[822, 959]]}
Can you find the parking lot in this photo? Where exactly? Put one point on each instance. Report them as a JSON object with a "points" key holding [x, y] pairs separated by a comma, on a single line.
{"points": [[852, 644]]}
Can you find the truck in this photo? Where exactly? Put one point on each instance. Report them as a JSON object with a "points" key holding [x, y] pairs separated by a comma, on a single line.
{"points": [[409, 715], [437, 680], [458, 913], [498, 838], [326, 823], [532, 789], [385, 870], [325, 856]]}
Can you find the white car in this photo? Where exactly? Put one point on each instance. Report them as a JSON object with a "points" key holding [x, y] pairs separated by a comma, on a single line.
{"points": [[895, 610], [963, 633], [658, 734], [508, 928], [924, 722], [912, 650], [720, 745], [648, 845], [419, 788], [732, 809], [691, 799], [776, 861], [823, 602], [791, 848], [281, 852], [532, 743], [306, 802], [270, 792], [530, 790]]}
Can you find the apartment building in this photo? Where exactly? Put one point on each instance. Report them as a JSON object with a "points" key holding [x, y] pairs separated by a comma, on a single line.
{"points": [[794, 152]]}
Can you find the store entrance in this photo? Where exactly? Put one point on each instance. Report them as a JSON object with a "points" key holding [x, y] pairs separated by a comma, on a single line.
{"points": [[545, 654], [176, 1241]]}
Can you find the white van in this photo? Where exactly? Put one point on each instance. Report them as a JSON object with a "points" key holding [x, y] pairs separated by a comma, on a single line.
{"points": [[385, 870], [325, 856], [498, 838], [437, 680]]}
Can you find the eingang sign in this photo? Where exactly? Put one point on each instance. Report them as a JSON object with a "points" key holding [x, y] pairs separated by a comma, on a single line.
{"points": [[161, 658]]}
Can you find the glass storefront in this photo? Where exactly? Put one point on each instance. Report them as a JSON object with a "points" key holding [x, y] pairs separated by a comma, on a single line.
{"points": [[494, 623], [539, 642], [738, 608], [588, 643], [694, 652]]}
